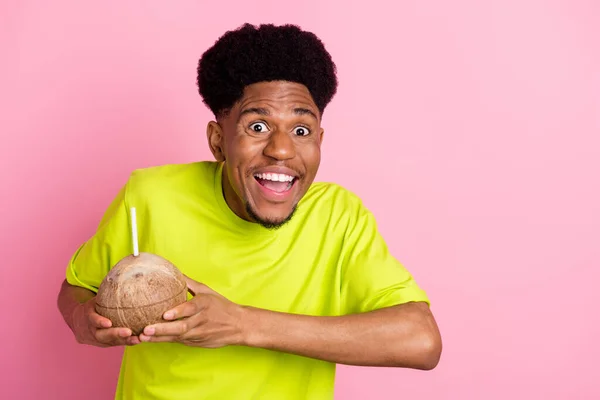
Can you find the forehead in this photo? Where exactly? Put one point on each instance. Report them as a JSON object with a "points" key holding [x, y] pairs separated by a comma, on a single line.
{"points": [[277, 97]]}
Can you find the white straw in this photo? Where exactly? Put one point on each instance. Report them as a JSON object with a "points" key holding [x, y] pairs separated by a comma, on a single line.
{"points": [[134, 235]]}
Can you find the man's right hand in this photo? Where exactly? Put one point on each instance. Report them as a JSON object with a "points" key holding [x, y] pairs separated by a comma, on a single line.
{"points": [[93, 329]]}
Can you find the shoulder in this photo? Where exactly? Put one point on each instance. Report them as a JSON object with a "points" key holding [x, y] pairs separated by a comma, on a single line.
{"points": [[325, 191], [335, 201], [170, 177], [164, 174]]}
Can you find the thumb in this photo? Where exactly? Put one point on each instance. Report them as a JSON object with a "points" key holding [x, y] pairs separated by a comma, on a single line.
{"points": [[196, 287]]}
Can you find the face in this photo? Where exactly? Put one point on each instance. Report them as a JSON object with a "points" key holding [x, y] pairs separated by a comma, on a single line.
{"points": [[270, 143]]}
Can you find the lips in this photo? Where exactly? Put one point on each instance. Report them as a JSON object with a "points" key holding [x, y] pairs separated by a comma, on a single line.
{"points": [[277, 182]]}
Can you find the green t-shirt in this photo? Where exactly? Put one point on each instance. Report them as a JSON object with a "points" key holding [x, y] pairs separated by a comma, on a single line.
{"points": [[328, 260]]}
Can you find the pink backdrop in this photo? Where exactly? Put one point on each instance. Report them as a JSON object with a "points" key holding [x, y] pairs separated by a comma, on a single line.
{"points": [[471, 129]]}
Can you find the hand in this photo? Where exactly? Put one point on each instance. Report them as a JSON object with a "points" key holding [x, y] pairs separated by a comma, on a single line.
{"points": [[206, 320], [93, 329]]}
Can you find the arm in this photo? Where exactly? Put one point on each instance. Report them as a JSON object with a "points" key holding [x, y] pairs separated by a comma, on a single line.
{"points": [[86, 269], [402, 336], [70, 298], [405, 335], [76, 304]]}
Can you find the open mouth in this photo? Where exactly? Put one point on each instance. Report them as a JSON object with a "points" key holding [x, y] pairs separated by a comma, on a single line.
{"points": [[279, 183]]}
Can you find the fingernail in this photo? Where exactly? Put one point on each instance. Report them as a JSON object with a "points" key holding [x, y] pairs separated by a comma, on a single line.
{"points": [[169, 315], [124, 333], [106, 324], [149, 331]]}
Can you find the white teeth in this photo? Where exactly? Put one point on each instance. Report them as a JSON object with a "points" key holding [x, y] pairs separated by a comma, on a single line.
{"points": [[275, 177]]}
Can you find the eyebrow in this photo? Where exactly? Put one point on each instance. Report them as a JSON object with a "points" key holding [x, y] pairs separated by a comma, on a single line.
{"points": [[255, 110], [265, 112], [305, 111]]}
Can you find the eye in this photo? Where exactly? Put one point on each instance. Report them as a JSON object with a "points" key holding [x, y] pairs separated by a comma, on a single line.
{"points": [[301, 131], [259, 127]]}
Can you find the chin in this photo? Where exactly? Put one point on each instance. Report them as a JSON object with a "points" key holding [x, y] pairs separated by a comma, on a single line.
{"points": [[269, 221]]}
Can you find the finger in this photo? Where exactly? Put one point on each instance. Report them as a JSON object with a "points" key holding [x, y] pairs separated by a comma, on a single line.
{"points": [[196, 287], [159, 339], [187, 309], [132, 340], [113, 335], [98, 321], [175, 328]]}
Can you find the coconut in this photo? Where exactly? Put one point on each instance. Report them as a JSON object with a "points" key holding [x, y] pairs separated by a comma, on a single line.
{"points": [[138, 290]]}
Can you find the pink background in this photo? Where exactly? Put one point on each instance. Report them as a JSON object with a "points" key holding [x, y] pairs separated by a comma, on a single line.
{"points": [[471, 129]]}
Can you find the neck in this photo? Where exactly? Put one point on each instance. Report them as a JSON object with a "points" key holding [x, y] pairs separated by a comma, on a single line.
{"points": [[232, 199]]}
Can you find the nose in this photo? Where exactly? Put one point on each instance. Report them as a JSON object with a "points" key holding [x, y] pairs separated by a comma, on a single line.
{"points": [[280, 146]]}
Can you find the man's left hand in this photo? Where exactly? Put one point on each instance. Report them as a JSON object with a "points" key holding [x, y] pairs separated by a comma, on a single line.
{"points": [[206, 320]]}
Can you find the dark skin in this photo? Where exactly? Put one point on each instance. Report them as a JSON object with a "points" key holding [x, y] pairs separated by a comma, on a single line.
{"points": [[76, 305], [275, 124], [290, 137]]}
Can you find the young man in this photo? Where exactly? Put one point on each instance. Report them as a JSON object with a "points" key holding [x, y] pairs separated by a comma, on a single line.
{"points": [[289, 276]]}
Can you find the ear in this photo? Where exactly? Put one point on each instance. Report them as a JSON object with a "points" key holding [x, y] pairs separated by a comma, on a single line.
{"points": [[214, 134], [321, 134]]}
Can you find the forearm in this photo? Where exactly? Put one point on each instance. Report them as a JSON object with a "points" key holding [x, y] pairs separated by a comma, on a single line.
{"points": [[69, 298], [399, 336]]}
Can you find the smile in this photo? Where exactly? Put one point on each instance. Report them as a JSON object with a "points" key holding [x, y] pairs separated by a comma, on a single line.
{"points": [[278, 183]]}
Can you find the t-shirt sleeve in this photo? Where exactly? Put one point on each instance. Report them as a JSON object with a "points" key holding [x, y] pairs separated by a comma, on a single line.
{"points": [[109, 244], [372, 278]]}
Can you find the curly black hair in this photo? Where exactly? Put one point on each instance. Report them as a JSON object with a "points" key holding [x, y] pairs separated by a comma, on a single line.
{"points": [[265, 53]]}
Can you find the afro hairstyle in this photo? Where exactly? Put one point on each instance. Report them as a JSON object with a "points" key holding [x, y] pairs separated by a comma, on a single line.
{"points": [[265, 53]]}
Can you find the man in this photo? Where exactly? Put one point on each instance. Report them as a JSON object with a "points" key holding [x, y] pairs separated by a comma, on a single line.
{"points": [[289, 276]]}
